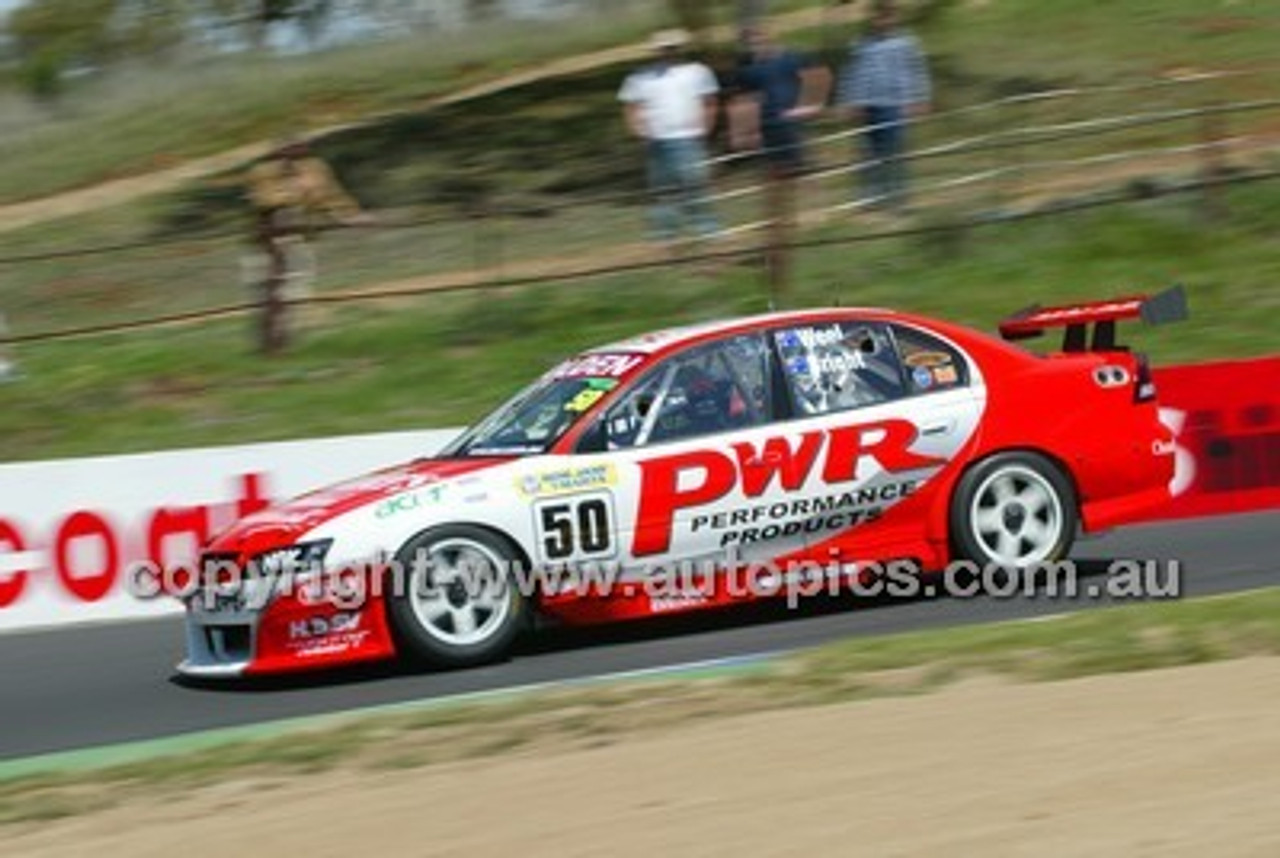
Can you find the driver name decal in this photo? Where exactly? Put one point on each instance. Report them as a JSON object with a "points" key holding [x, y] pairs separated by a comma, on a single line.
{"points": [[598, 366]]}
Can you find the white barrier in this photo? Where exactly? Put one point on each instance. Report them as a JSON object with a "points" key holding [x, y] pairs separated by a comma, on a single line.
{"points": [[70, 529]]}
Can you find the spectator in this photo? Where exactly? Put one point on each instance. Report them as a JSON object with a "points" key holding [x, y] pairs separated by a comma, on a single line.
{"points": [[289, 190], [292, 186], [885, 81], [788, 88], [783, 89], [671, 104]]}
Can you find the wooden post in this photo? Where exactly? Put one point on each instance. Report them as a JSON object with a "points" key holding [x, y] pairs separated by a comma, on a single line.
{"points": [[1212, 168], [273, 331], [8, 363], [780, 197]]}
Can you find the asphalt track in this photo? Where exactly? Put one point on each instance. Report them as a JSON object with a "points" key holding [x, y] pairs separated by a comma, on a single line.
{"points": [[69, 689]]}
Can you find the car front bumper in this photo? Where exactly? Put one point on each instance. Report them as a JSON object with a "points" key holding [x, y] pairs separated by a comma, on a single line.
{"points": [[286, 634]]}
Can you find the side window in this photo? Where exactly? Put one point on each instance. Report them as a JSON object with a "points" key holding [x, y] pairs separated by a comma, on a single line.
{"points": [[835, 366], [930, 363], [715, 388]]}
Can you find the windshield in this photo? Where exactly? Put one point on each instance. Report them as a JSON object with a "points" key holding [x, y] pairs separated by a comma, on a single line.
{"points": [[534, 418]]}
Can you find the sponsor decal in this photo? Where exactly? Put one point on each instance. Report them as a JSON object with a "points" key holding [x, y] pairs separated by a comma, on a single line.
{"points": [[567, 480], [787, 518], [85, 553], [927, 359], [474, 488], [922, 377], [598, 366], [945, 374], [591, 394], [1045, 316], [326, 635], [409, 502], [697, 478], [312, 628], [681, 601]]}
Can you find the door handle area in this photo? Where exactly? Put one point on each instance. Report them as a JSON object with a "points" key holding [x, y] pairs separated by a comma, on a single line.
{"points": [[940, 427]]}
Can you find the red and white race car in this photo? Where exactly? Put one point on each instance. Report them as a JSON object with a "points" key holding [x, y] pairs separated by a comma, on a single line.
{"points": [[837, 438]]}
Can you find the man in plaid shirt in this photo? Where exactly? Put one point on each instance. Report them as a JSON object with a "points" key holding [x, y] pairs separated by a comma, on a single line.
{"points": [[885, 81]]}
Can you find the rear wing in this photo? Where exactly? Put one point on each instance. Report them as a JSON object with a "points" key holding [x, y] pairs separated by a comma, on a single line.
{"points": [[1167, 306]]}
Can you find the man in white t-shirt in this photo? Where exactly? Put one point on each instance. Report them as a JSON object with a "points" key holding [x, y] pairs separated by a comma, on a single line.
{"points": [[672, 104]]}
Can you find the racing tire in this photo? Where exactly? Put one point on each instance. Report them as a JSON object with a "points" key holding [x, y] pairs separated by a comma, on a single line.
{"points": [[456, 603], [1012, 511]]}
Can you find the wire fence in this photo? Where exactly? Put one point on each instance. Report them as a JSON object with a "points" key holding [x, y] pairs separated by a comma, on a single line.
{"points": [[475, 251], [574, 274]]}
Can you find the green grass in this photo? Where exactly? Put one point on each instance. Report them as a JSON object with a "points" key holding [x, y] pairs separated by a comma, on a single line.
{"points": [[1145, 637], [141, 120], [442, 360], [1136, 637]]}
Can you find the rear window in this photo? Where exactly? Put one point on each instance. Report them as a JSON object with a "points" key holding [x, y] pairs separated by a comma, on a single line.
{"points": [[930, 363]]}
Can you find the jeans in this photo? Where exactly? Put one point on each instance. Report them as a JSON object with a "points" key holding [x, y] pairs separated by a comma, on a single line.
{"points": [[678, 178], [884, 176]]}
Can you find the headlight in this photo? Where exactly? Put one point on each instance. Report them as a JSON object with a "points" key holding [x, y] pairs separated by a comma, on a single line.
{"points": [[303, 558]]}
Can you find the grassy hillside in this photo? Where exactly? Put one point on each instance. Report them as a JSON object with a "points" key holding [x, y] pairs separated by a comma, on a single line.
{"points": [[443, 359], [145, 119]]}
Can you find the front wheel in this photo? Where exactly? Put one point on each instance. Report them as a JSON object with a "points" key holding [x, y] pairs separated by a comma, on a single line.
{"points": [[457, 604], [1014, 510]]}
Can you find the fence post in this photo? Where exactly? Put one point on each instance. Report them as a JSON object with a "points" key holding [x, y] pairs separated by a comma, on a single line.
{"points": [[1212, 203], [475, 220], [486, 239], [780, 199], [273, 331], [8, 363]]}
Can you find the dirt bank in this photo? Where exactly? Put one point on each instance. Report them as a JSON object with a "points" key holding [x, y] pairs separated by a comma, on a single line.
{"points": [[1174, 762]]}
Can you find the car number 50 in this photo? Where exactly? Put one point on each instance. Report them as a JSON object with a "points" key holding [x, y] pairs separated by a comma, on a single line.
{"points": [[575, 528]]}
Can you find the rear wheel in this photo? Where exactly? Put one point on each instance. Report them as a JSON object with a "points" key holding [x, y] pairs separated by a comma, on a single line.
{"points": [[458, 605], [1014, 510]]}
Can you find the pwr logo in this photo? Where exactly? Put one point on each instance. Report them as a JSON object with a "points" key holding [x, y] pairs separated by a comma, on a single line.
{"points": [[847, 454]]}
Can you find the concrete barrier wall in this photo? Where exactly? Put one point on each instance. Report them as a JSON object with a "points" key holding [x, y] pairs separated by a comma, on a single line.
{"points": [[1227, 417], [70, 529]]}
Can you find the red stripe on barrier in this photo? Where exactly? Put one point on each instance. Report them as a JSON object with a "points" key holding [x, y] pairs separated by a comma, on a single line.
{"points": [[1227, 419]]}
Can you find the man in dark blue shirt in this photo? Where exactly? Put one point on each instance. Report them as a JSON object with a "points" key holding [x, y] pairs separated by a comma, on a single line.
{"points": [[790, 89], [784, 89]]}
